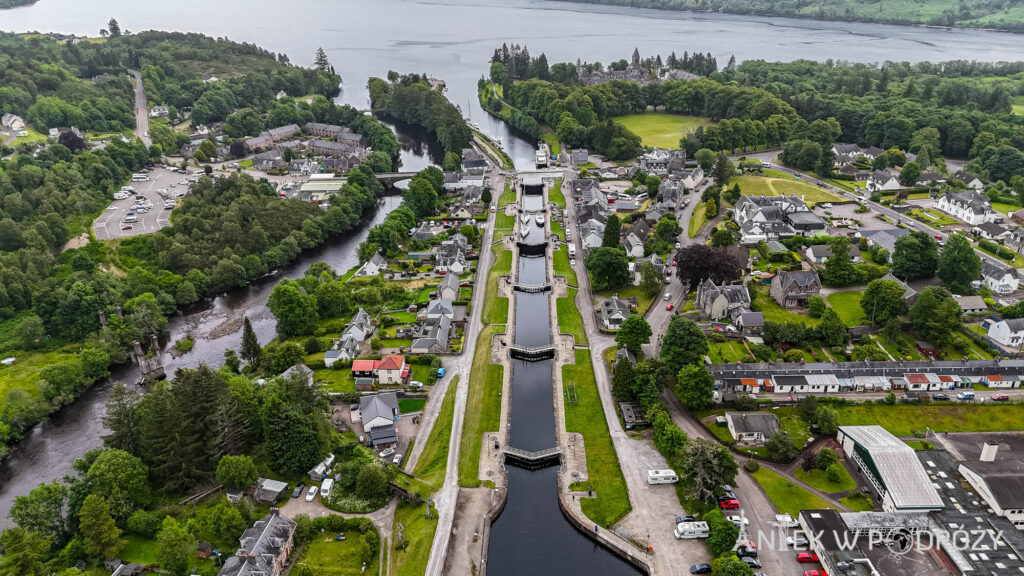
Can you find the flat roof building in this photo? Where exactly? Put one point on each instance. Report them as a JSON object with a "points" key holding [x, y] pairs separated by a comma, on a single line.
{"points": [[890, 467]]}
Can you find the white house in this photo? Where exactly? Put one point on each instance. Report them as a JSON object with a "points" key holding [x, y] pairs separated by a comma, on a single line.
{"points": [[883, 180], [374, 266], [614, 312], [392, 369], [12, 122], [452, 263], [969, 206], [991, 231], [1009, 333], [379, 410], [819, 253], [999, 279], [634, 246], [972, 180], [751, 427]]}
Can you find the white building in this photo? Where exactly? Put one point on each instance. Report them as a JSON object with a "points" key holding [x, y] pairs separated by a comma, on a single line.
{"points": [[751, 427], [12, 122], [883, 180], [374, 266], [999, 481], [1009, 333], [970, 206], [891, 468], [999, 279]]}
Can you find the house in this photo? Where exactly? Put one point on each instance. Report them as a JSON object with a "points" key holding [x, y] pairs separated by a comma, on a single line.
{"points": [[990, 231], [997, 278], [635, 268], [872, 152], [379, 410], [930, 179], [267, 161], [267, 490], [856, 173], [329, 148], [590, 212], [304, 166], [438, 308], [12, 122], [883, 180], [381, 437], [579, 156], [634, 247], [393, 369], [261, 142], [767, 208], [614, 312], [365, 368], [344, 349], [324, 130], [690, 178], [591, 234], [587, 191], [971, 304], [451, 262], [752, 232], [884, 237], [283, 132], [662, 162], [159, 112], [471, 158], [449, 289], [360, 327], [970, 206], [1008, 332], [751, 427], [716, 302], [804, 222], [623, 353], [971, 180], [1015, 240], [749, 322], [432, 336], [374, 266], [909, 294], [846, 150], [792, 289], [263, 550], [819, 253], [300, 371]]}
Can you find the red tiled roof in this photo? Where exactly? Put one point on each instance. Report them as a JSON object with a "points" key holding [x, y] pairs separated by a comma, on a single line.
{"points": [[748, 381], [994, 378], [946, 379], [392, 362], [365, 365], [917, 378]]}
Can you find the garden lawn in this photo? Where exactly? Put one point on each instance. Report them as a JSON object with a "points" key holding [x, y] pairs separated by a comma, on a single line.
{"points": [[340, 380], [325, 556], [433, 461], [24, 373], [418, 534], [764, 186], [726, 352], [697, 219], [786, 496], [643, 301], [587, 418], [555, 194], [410, 405], [485, 387], [904, 419], [661, 129], [847, 306], [932, 218], [775, 313], [508, 196], [569, 319], [562, 267], [1005, 208], [819, 480], [858, 502], [139, 550]]}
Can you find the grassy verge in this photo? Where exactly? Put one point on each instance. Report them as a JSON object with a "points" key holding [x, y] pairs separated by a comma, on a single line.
{"points": [[847, 306], [434, 459], [562, 267], [904, 419], [418, 536], [775, 313], [786, 496], [483, 404], [569, 319], [697, 219], [587, 418], [555, 194], [496, 307], [858, 502], [551, 139], [507, 197], [818, 479]]}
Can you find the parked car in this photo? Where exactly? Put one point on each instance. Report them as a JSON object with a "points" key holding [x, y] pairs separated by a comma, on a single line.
{"points": [[298, 490], [440, 372], [668, 296], [746, 551], [387, 452], [796, 541], [416, 384], [128, 227], [669, 307], [1000, 397], [700, 569], [752, 562], [738, 520], [815, 573], [311, 495], [938, 397], [730, 504], [687, 518], [806, 557], [465, 284], [398, 459]]}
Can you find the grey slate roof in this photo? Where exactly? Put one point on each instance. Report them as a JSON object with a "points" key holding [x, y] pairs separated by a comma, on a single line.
{"points": [[260, 546], [753, 422], [382, 405]]}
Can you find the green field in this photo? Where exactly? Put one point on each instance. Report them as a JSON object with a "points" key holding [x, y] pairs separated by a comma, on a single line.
{"points": [[775, 313], [1005, 208], [787, 496], [726, 352], [697, 219], [340, 380], [1018, 104], [562, 267], [661, 129], [905, 419], [433, 460], [569, 319], [24, 373], [847, 306], [326, 556], [818, 479], [587, 417], [485, 402], [763, 186], [555, 194]]}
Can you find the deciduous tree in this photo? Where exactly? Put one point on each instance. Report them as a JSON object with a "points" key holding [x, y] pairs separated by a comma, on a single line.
{"points": [[684, 343], [882, 301], [634, 333], [695, 387], [102, 536], [959, 264], [236, 472]]}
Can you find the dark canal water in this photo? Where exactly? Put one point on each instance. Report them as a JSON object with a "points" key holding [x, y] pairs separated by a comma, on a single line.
{"points": [[531, 536]]}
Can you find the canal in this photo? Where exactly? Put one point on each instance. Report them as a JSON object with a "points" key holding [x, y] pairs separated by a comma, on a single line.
{"points": [[531, 536]]}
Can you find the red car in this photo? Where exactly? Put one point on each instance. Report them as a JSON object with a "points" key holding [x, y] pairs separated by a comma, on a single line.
{"points": [[815, 573], [128, 227], [937, 237], [464, 284], [806, 557], [999, 397], [443, 272], [669, 307], [729, 504], [673, 262]]}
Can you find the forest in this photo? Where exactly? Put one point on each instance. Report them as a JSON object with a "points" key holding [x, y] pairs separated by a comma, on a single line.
{"points": [[411, 99], [226, 233]]}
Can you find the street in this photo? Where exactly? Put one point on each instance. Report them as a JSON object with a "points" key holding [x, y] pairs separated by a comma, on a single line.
{"points": [[141, 110]]}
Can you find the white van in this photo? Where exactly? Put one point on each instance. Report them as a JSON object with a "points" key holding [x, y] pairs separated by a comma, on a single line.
{"points": [[572, 251], [966, 396], [691, 530], [326, 487], [130, 218], [662, 477]]}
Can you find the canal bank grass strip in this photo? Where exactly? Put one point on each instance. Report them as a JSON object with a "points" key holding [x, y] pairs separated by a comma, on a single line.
{"points": [[507, 197], [587, 417], [562, 267], [555, 194], [483, 406], [417, 536], [787, 496], [569, 319], [697, 219], [433, 461], [496, 307]]}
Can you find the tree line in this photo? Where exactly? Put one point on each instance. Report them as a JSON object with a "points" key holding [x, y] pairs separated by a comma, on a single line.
{"points": [[410, 99]]}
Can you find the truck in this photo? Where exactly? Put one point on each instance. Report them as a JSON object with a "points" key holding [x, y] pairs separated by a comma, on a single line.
{"points": [[691, 530], [572, 250], [662, 477]]}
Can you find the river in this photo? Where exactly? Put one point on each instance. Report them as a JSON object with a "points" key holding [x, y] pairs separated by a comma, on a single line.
{"points": [[452, 40]]}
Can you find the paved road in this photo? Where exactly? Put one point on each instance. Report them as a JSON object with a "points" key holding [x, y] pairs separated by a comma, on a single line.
{"points": [[110, 223], [446, 498], [141, 110]]}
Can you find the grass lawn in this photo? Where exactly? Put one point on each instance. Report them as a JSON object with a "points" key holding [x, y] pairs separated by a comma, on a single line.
{"points": [[503, 221], [643, 301], [433, 460], [555, 194], [418, 534], [726, 352], [858, 502], [508, 196], [569, 319], [764, 186], [894, 348], [325, 556], [775, 313], [904, 419], [819, 480], [336, 380], [697, 219], [485, 387], [661, 129], [139, 550], [587, 418], [932, 218], [24, 373], [496, 307], [1005, 208], [562, 267], [1018, 105], [847, 306], [556, 229], [787, 497], [408, 405], [551, 139]]}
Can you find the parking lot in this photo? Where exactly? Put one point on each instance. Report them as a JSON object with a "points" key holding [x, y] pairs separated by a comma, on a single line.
{"points": [[111, 224]]}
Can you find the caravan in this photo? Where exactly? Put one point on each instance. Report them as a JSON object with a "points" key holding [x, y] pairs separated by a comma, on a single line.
{"points": [[662, 477], [691, 530]]}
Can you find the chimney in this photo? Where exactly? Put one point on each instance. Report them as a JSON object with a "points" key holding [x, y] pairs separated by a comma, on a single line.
{"points": [[988, 451]]}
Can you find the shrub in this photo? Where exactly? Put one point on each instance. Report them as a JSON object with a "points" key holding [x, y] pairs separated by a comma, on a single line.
{"points": [[718, 337], [751, 466], [834, 473], [144, 524], [745, 403]]}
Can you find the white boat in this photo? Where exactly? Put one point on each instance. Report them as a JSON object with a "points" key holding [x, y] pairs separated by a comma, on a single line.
{"points": [[540, 220], [525, 218]]}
